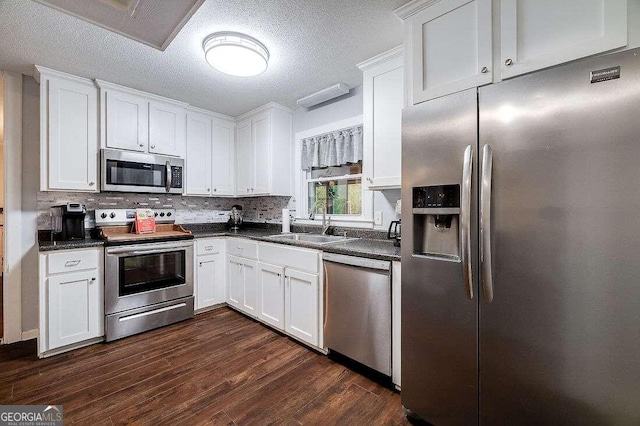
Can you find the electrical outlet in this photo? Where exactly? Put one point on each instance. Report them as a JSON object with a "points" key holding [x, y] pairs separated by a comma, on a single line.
{"points": [[377, 218]]}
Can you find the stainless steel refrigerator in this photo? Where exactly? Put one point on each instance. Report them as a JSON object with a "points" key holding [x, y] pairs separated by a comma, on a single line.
{"points": [[521, 249]]}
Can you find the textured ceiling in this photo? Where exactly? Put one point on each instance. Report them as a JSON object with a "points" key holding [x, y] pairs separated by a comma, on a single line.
{"points": [[153, 22], [313, 44]]}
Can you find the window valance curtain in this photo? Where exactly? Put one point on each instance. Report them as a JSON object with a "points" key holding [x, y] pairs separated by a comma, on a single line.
{"points": [[332, 149]]}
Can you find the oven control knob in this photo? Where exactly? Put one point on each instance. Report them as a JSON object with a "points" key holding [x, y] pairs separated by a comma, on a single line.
{"points": [[103, 215], [112, 215], [162, 214], [156, 214], [168, 214]]}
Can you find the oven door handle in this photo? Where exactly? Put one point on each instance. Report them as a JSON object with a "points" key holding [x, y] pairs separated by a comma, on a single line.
{"points": [[139, 252], [130, 251]]}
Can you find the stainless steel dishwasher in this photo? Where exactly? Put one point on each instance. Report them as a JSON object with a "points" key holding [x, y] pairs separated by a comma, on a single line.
{"points": [[357, 320]]}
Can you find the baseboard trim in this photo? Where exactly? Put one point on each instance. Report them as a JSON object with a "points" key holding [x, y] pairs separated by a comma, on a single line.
{"points": [[28, 335], [71, 347]]}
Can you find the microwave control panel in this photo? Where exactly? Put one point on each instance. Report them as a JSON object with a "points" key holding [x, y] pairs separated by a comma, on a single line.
{"points": [[176, 177]]}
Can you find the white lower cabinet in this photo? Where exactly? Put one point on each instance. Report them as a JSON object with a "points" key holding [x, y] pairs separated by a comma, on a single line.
{"points": [[75, 311], [242, 284], [271, 294], [302, 318], [235, 292], [71, 298], [209, 274], [289, 291]]}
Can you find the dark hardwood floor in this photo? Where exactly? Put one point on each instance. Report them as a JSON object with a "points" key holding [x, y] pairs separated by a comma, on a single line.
{"points": [[219, 368]]}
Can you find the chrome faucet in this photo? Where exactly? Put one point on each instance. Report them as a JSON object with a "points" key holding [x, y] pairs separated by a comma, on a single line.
{"points": [[325, 221]]}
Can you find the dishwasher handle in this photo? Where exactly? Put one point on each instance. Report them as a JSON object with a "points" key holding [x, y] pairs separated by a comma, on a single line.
{"points": [[362, 262]]}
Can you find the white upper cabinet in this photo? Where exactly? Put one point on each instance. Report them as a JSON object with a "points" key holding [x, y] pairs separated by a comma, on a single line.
{"points": [[199, 154], [450, 48], [383, 95], [210, 154], [166, 129], [260, 148], [264, 152], [68, 132], [137, 121], [126, 121], [244, 169], [537, 34], [223, 170]]}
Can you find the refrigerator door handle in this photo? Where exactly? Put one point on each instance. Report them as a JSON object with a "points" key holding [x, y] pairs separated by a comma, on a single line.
{"points": [[465, 220], [485, 224]]}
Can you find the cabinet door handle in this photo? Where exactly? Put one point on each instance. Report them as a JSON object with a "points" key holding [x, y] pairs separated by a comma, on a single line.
{"points": [[484, 70], [215, 189], [141, 145], [508, 62], [153, 146], [91, 183], [208, 189], [93, 279], [208, 248], [71, 263]]}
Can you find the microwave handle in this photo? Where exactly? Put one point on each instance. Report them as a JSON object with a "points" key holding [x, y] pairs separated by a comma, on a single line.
{"points": [[168, 172]]}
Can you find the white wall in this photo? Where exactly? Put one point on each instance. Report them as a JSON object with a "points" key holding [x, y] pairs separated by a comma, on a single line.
{"points": [[346, 106], [30, 186], [337, 109]]}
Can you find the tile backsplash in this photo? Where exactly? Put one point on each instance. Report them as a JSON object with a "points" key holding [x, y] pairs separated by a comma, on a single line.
{"points": [[188, 209]]}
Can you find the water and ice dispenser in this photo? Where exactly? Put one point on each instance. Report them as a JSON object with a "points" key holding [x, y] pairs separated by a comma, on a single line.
{"points": [[436, 221]]}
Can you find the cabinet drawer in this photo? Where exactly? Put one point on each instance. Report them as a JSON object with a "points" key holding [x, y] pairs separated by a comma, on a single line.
{"points": [[209, 246], [71, 261], [296, 258], [242, 248]]}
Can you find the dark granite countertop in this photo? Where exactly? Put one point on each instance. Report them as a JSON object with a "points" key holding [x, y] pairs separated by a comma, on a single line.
{"points": [[68, 245], [366, 245]]}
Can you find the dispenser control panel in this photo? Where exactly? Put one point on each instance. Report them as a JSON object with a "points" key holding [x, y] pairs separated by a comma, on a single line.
{"points": [[439, 196]]}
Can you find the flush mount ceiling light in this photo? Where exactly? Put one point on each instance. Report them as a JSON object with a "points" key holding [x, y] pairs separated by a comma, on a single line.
{"points": [[236, 54]]}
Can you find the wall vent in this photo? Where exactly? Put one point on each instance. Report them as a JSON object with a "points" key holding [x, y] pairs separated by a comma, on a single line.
{"points": [[324, 95]]}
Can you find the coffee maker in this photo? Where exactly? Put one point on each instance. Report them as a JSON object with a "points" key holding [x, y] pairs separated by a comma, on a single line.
{"points": [[235, 218], [395, 226], [68, 221]]}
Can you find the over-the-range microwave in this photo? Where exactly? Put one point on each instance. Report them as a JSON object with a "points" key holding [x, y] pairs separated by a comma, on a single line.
{"points": [[139, 172]]}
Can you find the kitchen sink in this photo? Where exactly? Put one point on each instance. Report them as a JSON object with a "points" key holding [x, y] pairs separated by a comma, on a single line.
{"points": [[312, 238]]}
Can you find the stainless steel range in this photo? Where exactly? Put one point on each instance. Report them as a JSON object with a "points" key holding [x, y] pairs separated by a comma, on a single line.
{"points": [[148, 277]]}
